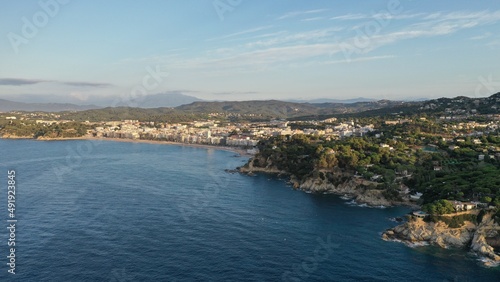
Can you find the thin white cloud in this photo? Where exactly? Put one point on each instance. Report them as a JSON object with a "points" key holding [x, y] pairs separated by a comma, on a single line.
{"points": [[404, 16], [275, 49], [350, 17], [408, 16], [300, 37], [301, 13], [494, 44], [22, 82], [432, 16], [482, 36], [429, 28], [378, 16], [259, 36], [359, 59], [455, 21], [434, 25], [253, 30], [259, 59], [266, 35], [461, 15], [312, 19]]}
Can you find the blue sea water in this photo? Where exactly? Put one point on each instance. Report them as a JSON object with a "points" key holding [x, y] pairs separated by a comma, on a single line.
{"points": [[117, 211]]}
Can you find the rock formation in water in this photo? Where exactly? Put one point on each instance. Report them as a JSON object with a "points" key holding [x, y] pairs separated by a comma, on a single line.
{"points": [[482, 238]]}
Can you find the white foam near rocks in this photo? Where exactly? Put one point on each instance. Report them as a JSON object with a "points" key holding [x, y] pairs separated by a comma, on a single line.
{"points": [[489, 262]]}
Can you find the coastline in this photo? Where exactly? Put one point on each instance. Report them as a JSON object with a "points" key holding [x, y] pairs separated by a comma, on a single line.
{"points": [[351, 189], [240, 151], [480, 238], [408, 233]]}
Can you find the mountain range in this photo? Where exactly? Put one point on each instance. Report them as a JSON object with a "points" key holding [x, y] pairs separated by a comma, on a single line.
{"points": [[7, 106], [327, 100], [182, 105], [45, 103], [282, 109], [169, 100], [40, 103]]}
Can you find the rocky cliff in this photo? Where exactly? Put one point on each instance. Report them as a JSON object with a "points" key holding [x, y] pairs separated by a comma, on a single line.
{"points": [[474, 236], [334, 182], [353, 187], [482, 238], [250, 167]]}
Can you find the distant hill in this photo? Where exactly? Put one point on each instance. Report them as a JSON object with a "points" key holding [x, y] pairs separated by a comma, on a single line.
{"points": [[328, 100], [281, 109], [462, 105], [270, 108], [168, 100], [241, 110], [7, 106]]}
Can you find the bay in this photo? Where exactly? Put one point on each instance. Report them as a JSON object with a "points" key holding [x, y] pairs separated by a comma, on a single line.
{"points": [[118, 211]]}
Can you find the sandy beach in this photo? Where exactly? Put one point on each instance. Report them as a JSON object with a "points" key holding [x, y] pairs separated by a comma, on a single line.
{"points": [[240, 151]]}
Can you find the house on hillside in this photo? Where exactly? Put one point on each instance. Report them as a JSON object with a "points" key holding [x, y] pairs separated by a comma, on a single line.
{"points": [[419, 214], [464, 206], [416, 196]]}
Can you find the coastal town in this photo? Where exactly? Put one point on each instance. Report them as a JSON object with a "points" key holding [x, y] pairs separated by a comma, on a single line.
{"points": [[443, 164], [207, 132], [230, 140], [454, 129]]}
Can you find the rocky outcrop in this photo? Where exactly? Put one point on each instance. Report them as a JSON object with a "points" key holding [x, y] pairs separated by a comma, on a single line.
{"points": [[487, 231], [250, 167], [353, 187], [375, 198], [416, 231], [338, 182]]}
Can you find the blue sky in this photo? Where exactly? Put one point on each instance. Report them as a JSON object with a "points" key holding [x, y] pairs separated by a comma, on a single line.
{"points": [[247, 50]]}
